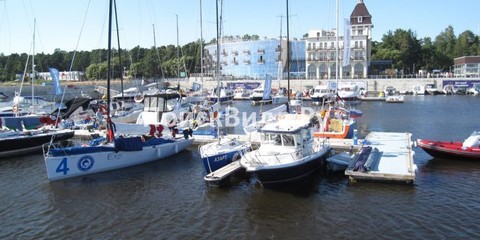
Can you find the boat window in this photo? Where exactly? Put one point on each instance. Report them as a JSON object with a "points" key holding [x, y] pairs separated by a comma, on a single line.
{"points": [[288, 140]]}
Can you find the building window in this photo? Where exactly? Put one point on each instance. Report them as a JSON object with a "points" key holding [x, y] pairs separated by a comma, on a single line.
{"points": [[360, 19], [361, 44], [356, 44], [314, 45], [360, 32]]}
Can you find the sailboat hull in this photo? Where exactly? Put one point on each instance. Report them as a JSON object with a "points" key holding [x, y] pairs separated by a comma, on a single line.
{"points": [[18, 144], [80, 161]]}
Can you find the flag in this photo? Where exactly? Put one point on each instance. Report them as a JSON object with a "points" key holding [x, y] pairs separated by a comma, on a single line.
{"points": [[267, 88], [346, 43], [56, 80]]}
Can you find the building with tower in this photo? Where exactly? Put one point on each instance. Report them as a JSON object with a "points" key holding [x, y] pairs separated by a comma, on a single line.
{"points": [[321, 48]]}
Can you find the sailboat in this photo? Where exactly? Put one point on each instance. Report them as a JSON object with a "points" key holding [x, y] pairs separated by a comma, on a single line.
{"points": [[262, 94], [222, 152], [27, 128], [116, 152]]}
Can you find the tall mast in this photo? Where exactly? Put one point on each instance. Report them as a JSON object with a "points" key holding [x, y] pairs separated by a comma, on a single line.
{"points": [[288, 62], [178, 55], [201, 43], [109, 73], [218, 68], [337, 46], [33, 63]]}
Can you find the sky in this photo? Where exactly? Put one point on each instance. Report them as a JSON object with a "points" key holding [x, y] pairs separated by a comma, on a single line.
{"points": [[82, 24]]}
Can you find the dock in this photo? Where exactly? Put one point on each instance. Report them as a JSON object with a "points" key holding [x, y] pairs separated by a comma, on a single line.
{"points": [[222, 175], [394, 161]]}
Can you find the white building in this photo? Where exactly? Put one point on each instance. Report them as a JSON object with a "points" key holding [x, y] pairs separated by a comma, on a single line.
{"points": [[320, 47]]}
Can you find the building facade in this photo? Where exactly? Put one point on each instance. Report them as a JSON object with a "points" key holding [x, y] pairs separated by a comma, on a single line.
{"points": [[466, 66], [256, 59], [321, 48]]}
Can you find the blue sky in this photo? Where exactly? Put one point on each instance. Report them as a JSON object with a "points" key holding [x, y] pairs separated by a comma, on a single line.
{"points": [[59, 22]]}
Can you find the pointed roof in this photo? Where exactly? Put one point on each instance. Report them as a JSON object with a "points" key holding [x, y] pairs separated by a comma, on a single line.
{"points": [[360, 10]]}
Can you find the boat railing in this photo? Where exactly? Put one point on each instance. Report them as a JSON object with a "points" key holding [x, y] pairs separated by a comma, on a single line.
{"points": [[47, 147], [280, 158]]}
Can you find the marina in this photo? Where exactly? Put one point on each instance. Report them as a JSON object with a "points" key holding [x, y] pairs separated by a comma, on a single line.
{"points": [[177, 183], [187, 159]]}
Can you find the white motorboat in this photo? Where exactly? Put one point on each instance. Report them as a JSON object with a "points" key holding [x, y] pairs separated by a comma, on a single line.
{"points": [[288, 151], [349, 91], [323, 93], [395, 99], [418, 90], [431, 89]]}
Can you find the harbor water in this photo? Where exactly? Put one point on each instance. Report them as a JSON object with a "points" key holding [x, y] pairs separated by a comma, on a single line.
{"points": [[168, 199]]}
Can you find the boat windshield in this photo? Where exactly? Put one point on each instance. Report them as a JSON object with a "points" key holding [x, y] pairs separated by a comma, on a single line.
{"points": [[278, 139]]}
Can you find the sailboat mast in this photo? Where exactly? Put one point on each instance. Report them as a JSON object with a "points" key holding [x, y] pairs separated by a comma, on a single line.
{"points": [[109, 71], [201, 43], [218, 68], [337, 47], [33, 63], [178, 55], [288, 61]]}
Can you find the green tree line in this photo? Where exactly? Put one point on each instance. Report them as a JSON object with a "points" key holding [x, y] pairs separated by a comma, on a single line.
{"points": [[408, 54]]}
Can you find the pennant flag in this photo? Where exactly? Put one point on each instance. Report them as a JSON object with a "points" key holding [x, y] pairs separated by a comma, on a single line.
{"points": [[267, 88], [56, 80], [346, 43]]}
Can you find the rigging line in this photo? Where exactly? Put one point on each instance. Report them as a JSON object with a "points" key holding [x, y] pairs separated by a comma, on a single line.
{"points": [[79, 36], [157, 50], [119, 49]]}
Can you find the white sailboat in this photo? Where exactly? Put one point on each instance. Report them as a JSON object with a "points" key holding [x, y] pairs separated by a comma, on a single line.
{"points": [[117, 152], [25, 126]]}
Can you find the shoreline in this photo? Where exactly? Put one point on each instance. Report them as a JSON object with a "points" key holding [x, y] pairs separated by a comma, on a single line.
{"points": [[372, 85]]}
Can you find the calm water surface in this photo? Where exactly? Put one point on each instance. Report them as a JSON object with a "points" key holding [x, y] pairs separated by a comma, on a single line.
{"points": [[168, 199]]}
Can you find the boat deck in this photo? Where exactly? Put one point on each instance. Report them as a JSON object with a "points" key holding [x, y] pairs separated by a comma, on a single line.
{"points": [[395, 162]]}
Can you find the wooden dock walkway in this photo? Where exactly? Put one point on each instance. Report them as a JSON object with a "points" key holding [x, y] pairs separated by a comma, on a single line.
{"points": [[221, 176]]}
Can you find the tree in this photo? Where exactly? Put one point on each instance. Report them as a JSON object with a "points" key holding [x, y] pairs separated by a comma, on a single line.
{"points": [[445, 42], [467, 44]]}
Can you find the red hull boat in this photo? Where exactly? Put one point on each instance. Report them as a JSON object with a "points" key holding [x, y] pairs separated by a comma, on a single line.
{"points": [[469, 149]]}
